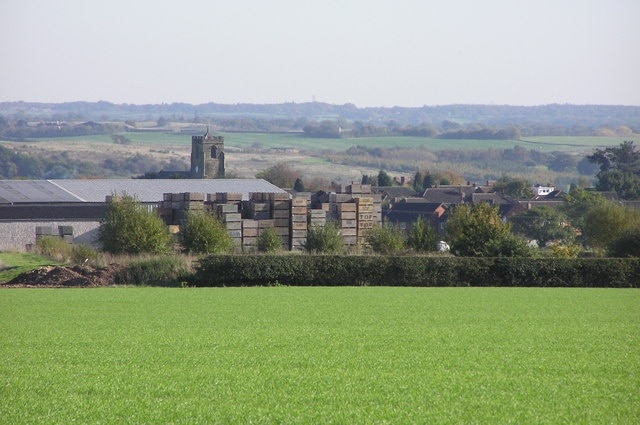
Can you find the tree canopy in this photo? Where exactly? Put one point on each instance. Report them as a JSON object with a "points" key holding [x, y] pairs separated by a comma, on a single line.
{"points": [[478, 231], [544, 224], [619, 169]]}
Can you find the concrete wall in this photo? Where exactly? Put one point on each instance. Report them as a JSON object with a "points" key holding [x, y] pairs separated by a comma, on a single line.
{"points": [[17, 235]]}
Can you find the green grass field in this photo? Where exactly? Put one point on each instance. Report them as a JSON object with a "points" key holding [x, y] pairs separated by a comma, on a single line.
{"points": [[14, 263], [320, 355], [298, 141]]}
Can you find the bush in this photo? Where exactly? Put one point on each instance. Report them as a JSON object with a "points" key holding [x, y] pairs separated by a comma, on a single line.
{"points": [[385, 239], [155, 271], [54, 248], [130, 228], [269, 241], [478, 231], [627, 245], [324, 240], [422, 237], [338, 270], [81, 254], [202, 233]]}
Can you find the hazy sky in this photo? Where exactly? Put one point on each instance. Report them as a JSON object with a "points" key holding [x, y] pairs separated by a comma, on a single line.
{"points": [[366, 52]]}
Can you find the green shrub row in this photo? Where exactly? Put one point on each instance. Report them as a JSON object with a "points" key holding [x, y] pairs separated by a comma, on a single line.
{"points": [[156, 271], [330, 270]]}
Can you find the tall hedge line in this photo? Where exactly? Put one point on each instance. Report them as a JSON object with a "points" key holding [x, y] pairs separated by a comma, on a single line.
{"points": [[330, 270]]}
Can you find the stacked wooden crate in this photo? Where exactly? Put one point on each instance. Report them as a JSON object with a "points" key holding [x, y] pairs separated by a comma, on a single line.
{"points": [[299, 216], [347, 222], [175, 207], [281, 213], [366, 216], [258, 207], [318, 217], [249, 235], [66, 233], [224, 198], [231, 218]]}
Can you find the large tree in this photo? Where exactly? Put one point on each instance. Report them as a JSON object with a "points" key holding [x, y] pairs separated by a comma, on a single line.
{"points": [[280, 174], [608, 222], [544, 224], [619, 169], [578, 203], [478, 231], [518, 188]]}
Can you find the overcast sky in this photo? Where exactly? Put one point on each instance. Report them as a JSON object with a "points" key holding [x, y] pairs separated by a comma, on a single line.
{"points": [[366, 52]]}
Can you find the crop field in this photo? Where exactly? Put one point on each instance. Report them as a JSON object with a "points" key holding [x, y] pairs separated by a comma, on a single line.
{"points": [[320, 355], [298, 141]]}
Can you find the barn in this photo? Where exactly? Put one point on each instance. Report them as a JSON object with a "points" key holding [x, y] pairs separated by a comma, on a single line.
{"points": [[73, 209]]}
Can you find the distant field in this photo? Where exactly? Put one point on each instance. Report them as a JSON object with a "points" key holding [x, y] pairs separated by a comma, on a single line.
{"points": [[320, 355], [300, 142], [296, 140]]}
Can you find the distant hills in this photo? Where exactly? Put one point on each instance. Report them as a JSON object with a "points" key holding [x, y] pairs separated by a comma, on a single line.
{"points": [[563, 115]]}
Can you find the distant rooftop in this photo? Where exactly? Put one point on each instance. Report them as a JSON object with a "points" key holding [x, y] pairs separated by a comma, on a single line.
{"points": [[145, 190]]}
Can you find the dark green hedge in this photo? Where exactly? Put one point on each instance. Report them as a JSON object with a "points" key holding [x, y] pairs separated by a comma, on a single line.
{"points": [[330, 270]]}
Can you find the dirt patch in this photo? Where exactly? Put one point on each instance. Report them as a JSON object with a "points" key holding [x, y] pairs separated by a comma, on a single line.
{"points": [[65, 277]]}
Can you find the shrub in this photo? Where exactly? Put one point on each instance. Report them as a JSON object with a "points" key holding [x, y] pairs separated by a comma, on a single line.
{"points": [[385, 239], [565, 251], [130, 228], [627, 245], [155, 271], [202, 233], [422, 237], [54, 248], [340, 270], [324, 239], [81, 254], [478, 231], [269, 241]]}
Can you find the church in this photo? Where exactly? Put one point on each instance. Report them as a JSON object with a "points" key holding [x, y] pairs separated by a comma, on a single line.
{"points": [[207, 159]]}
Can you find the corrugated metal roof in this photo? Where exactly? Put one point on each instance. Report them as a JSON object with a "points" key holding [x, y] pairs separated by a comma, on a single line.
{"points": [[14, 191], [145, 190]]}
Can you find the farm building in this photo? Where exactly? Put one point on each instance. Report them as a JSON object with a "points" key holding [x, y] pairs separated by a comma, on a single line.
{"points": [[74, 208]]}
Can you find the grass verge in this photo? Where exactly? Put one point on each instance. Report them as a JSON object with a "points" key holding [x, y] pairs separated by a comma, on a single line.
{"points": [[320, 355], [14, 263]]}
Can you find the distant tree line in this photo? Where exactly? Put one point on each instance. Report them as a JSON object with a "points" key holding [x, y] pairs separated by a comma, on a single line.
{"points": [[20, 129], [452, 130], [500, 116], [61, 165]]}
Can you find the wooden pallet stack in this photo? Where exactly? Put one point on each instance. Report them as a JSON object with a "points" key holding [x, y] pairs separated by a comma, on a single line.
{"points": [[366, 216], [249, 235], [175, 207], [281, 213], [231, 218], [318, 217], [299, 223], [347, 222], [258, 207]]}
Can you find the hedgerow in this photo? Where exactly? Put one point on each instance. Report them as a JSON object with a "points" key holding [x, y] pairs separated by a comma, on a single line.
{"points": [[335, 270]]}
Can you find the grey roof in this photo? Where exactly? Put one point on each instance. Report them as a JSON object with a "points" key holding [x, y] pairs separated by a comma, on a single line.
{"points": [[145, 190]]}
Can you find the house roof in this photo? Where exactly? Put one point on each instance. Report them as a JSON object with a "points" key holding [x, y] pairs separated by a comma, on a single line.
{"points": [[410, 211], [394, 191], [145, 190], [449, 194], [493, 198]]}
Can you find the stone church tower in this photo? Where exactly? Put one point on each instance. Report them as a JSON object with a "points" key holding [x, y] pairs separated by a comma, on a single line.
{"points": [[207, 156]]}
